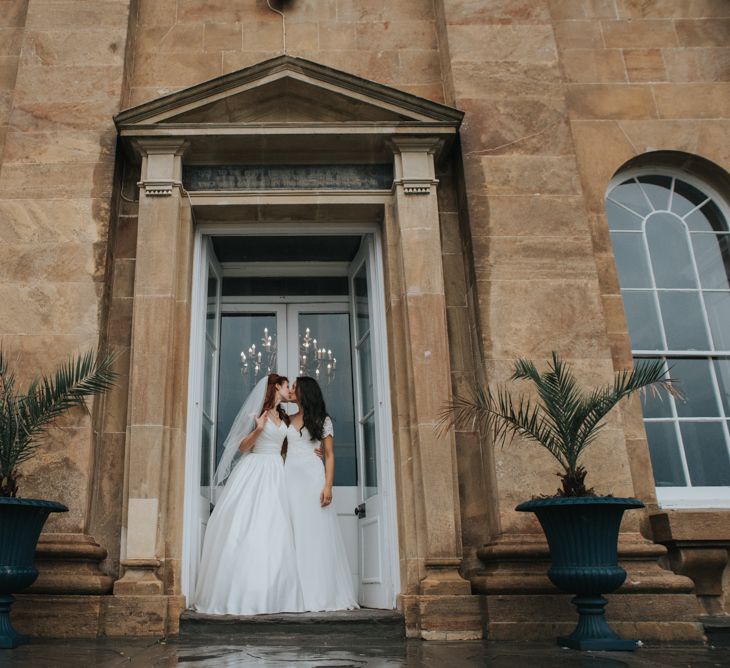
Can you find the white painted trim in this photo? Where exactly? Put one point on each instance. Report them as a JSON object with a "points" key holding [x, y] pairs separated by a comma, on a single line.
{"points": [[338, 228], [687, 496], [390, 550], [192, 452], [693, 497], [288, 299], [289, 197], [660, 170], [380, 338], [285, 269]]}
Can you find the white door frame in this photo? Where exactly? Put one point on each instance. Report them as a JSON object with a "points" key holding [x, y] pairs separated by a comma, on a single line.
{"points": [[391, 559], [199, 312]]}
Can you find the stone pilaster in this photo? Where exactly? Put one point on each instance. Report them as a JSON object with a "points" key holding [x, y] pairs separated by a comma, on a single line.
{"points": [[151, 422], [424, 314]]}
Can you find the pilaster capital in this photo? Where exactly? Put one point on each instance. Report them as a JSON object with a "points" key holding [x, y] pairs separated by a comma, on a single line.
{"points": [[161, 164], [414, 165]]}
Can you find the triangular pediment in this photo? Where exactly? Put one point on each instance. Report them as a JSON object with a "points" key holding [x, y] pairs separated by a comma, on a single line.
{"points": [[287, 90]]}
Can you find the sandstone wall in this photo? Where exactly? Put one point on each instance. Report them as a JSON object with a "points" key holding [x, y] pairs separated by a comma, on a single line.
{"points": [[641, 77], [558, 95], [183, 42], [62, 82]]}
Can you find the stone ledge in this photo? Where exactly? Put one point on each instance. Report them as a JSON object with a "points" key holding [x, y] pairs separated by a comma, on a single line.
{"points": [[669, 618], [518, 564], [72, 616], [443, 617], [365, 622], [691, 525]]}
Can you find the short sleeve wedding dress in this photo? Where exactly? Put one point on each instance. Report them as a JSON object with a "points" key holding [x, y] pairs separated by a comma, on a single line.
{"points": [[248, 564], [321, 559]]}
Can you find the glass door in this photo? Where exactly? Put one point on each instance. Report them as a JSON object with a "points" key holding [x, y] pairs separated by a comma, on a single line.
{"points": [[203, 402], [369, 422], [211, 352], [319, 346], [251, 348]]}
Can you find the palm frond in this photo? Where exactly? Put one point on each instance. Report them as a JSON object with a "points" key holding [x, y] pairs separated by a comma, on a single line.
{"points": [[646, 374], [564, 419], [503, 416], [25, 417]]}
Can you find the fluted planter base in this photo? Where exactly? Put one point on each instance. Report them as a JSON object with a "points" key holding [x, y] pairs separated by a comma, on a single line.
{"points": [[21, 521], [582, 533], [593, 632], [9, 637]]}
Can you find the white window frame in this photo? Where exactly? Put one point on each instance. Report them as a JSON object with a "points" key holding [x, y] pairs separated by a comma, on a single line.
{"points": [[686, 496]]}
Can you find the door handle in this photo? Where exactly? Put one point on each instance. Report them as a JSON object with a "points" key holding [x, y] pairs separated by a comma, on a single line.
{"points": [[360, 511]]}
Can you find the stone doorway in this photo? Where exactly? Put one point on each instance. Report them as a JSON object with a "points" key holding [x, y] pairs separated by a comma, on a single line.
{"points": [[262, 298], [297, 144]]}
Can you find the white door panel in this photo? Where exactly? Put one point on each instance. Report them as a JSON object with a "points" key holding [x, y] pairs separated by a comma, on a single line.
{"points": [[202, 403], [375, 578], [328, 324]]}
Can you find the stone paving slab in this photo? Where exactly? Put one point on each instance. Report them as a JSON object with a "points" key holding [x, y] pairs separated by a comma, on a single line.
{"points": [[341, 652]]}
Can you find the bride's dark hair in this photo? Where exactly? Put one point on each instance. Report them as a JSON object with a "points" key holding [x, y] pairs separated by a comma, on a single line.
{"points": [[311, 403]]}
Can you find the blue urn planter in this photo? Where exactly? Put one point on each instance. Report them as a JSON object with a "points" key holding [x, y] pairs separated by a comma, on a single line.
{"points": [[582, 533], [21, 521]]}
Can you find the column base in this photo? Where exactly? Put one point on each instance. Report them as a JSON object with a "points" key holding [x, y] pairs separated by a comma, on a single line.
{"points": [[70, 563], [139, 579], [653, 604], [443, 578], [443, 617]]}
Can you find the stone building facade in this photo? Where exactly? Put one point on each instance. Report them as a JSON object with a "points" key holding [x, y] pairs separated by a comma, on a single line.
{"points": [[501, 125]]}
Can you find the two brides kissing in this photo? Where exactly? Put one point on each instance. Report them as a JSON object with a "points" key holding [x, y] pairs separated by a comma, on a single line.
{"points": [[273, 542]]}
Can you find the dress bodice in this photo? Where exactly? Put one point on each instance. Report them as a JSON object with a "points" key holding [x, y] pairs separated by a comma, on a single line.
{"points": [[302, 442], [271, 438]]}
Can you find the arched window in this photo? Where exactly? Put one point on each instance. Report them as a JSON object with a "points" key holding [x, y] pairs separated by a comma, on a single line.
{"points": [[671, 242]]}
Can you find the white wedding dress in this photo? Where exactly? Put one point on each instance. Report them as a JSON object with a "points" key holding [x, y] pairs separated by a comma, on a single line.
{"points": [[248, 564], [321, 559]]}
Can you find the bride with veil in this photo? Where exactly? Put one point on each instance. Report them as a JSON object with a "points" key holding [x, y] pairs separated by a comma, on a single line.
{"points": [[248, 564]]}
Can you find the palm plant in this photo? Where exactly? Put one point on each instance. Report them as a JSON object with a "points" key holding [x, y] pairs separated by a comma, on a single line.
{"points": [[565, 419], [25, 417]]}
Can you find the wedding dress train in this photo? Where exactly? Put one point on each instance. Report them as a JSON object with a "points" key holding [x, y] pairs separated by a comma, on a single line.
{"points": [[321, 559], [248, 564]]}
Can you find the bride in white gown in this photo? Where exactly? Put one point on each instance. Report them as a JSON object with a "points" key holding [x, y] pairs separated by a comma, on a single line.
{"points": [[321, 559], [248, 565]]}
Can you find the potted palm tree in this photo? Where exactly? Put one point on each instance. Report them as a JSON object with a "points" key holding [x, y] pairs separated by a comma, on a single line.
{"points": [[24, 419], [581, 527]]}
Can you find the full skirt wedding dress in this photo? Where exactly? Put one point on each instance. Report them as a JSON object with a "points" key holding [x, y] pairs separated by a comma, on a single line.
{"points": [[321, 559], [248, 564]]}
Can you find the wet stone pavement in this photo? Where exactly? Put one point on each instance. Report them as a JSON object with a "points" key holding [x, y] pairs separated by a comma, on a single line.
{"points": [[342, 651]]}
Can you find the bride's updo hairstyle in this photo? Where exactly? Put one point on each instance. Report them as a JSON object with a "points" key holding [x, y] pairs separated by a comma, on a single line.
{"points": [[311, 402], [270, 398]]}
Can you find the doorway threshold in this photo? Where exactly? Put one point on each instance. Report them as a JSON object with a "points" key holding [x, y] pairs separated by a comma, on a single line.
{"points": [[366, 621]]}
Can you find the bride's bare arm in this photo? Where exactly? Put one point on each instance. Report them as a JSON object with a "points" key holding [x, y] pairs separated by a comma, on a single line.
{"points": [[325, 498], [250, 440]]}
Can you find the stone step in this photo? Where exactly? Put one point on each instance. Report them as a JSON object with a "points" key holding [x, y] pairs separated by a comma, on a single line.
{"points": [[366, 622]]}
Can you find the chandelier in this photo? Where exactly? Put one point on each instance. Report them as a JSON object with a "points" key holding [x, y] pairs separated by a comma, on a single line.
{"points": [[314, 360], [261, 360]]}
